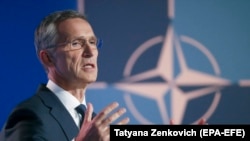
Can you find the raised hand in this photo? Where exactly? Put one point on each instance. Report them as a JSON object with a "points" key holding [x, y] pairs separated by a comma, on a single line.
{"points": [[97, 129]]}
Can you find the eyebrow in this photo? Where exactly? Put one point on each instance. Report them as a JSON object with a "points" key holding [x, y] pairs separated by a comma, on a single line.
{"points": [[83, 37]]}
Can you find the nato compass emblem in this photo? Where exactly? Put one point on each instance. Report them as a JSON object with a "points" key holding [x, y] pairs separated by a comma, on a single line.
{"points": [[171, 97], [183, 93], [173, 94]]}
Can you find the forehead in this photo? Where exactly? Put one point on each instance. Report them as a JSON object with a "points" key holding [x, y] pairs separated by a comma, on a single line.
{"points": [[75, 27]]}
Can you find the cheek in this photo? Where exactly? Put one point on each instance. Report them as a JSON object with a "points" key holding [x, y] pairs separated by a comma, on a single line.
{"points": [[72, 61], [75, 61], [96, 55], [65, 61]]}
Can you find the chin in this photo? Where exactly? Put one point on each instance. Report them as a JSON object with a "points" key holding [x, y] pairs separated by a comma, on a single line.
{"points": [[91, 80]]}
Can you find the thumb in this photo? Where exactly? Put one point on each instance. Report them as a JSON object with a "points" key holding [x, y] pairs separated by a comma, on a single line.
{"points": [[171, 122], [87, 119], [88, 113]]}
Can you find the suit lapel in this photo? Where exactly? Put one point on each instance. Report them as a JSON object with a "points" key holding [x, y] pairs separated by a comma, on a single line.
{"points": [[59, 112]]}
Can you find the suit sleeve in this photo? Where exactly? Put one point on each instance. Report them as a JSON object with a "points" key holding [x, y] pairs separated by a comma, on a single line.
{"points": [[23, 125]]}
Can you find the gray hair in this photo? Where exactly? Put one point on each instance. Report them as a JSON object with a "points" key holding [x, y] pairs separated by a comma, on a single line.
{"points": [[46, 34]]}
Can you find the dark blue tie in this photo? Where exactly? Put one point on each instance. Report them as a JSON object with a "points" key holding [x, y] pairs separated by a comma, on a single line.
{"points": [[81, 110]]}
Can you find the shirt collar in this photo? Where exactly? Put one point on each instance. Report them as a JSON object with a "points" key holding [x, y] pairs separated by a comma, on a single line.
{"points": [[68, 100]]}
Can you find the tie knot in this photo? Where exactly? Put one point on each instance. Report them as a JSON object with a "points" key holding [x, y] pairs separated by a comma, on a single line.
{"points": [[81, 109]]}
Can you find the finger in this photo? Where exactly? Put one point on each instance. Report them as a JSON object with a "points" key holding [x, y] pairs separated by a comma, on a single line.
{"points": [[110, 108], [124, 121], [88, 113], [171, 122], [113, 117], [106, 130], [106, 136], [106, 111]]}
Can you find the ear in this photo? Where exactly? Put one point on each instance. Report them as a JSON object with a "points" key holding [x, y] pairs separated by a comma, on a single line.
{"points": [[45, 58]]}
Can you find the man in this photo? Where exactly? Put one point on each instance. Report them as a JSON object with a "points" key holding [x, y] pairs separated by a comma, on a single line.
{"points": [[67, 48]]}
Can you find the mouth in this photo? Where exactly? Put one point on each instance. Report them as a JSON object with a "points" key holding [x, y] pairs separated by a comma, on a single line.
{"points": [[89, 66]]}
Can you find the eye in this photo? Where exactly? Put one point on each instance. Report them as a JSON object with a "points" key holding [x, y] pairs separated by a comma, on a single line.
{"points": [[76, 43], [93, 41]]}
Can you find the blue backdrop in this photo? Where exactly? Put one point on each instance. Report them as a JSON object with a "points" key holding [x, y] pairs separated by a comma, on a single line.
{"points": [[160, 59]]}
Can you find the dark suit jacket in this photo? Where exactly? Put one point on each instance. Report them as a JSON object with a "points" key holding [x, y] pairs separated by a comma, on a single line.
{"points": [[42, 118]]}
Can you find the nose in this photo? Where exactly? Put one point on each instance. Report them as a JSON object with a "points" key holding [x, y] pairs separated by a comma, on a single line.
{"points": [[88, 51]]}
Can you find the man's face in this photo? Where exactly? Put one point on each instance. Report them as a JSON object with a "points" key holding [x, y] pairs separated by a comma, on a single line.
{"points": [[75, 67]]}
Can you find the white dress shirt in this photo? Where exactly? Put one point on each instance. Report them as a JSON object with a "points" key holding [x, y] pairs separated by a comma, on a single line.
{"points": [[68, 100]]}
